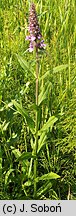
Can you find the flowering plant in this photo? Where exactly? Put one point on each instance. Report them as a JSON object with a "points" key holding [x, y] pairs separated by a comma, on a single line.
{"points": [[35, 36]]}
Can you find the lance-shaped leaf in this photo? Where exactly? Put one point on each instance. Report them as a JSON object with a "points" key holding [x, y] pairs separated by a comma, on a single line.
{"points": [[25, 156], [44, 189], [48, 176], [44, 130], [48, 124], [42, 141], [24, 64], [7, 175], [44, 93], [60, 68], [24, 113]]}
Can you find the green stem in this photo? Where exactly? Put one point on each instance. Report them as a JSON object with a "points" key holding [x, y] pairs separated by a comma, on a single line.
{"points": [[36, 139], [42, 88]]}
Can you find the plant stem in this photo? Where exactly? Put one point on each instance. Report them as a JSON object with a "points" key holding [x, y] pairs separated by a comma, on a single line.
{"points": [[37, 71], [42, 88], [36, 139]]}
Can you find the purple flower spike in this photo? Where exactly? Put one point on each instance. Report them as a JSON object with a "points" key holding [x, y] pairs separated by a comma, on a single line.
{"points": [[35, 36]]}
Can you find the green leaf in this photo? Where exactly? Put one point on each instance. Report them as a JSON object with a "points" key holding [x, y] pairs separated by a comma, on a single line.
{"points": [[27, 184], [24, 113], [25, 156], [44, 76], [44, 130], [7, 175], [60, 68], [44, 189], [16, 152], [44, 93], [48, 124], [42, 141], [48, 176], [4, 126], [24, 64], [9, 105]]}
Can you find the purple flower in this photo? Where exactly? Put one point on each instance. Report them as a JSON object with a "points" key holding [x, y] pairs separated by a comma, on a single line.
{"points": [[27, 38], [42, 45], [34, 36], [31, 48]]}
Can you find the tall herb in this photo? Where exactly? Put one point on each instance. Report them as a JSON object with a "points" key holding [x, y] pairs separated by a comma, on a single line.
{"points": [[36, 42]]}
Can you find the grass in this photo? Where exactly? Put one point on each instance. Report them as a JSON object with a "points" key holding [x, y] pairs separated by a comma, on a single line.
{"points": [[56, 152]]}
